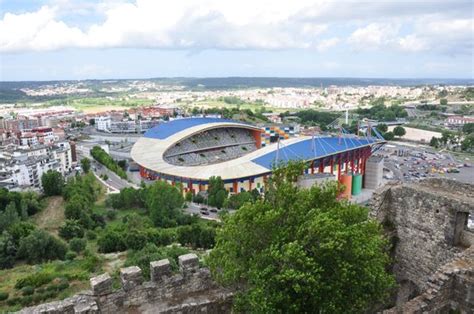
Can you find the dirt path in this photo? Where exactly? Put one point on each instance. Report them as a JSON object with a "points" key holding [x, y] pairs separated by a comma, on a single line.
{"points": [[52, 216]]}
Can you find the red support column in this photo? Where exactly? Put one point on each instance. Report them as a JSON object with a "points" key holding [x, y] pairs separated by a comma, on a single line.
{"points": [[339, 168], [250, 185], [321, 165], [332, 165], [312, 166], [235, 186]]}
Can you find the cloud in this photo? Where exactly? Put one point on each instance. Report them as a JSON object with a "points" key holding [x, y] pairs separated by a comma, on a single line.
{"points": [[244, 24], [326, 44]]}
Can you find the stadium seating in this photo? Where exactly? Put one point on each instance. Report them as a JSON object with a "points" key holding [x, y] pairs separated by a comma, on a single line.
{"points": [[212, 146]]}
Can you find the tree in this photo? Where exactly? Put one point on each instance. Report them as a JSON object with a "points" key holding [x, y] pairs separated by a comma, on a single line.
{"points": [[299, 251], [164, 203], [382, 127], [77, 245], [40, 246], [468, 143], [71, 229], [52, 182], [8, 217], [468, 128], [443, 102], [86, 164], [399, 131], [216, 192], [388, 136], [434, 142]]}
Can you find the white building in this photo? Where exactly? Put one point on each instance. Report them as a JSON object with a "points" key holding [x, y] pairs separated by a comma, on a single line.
{"points": [[102, 123]]}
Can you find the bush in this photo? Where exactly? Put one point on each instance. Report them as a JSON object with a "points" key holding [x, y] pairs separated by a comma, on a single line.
{"points": [[111, 241], [111, 214], [26, 300], [13, 301], [91, 235], [77, 245], [34, 280], [28, 290], [40, 246], [70, 256], [3, 296], [71, 229], [151, 252]]}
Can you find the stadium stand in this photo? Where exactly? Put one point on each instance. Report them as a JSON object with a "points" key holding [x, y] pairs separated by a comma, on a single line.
{"points": [[212, 146]]}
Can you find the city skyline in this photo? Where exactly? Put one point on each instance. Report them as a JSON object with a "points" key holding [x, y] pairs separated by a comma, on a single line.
{"points": [[61, 39]]}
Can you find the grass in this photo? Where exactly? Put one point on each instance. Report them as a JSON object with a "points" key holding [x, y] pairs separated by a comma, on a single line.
{"points": [[52, 216], [95, 104], [76, 273]]}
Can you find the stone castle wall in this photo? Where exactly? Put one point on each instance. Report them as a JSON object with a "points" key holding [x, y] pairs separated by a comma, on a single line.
{"points": [[427, 224], [190, 291]]}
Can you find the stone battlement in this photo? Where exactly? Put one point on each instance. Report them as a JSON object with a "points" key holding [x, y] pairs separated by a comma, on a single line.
{"points": [[192, 290], [427, 224]]}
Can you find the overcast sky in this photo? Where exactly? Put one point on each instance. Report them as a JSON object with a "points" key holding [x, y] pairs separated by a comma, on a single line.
{"points": [[79, 39]]}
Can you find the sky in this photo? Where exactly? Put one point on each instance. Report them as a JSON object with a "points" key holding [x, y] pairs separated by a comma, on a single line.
{"points": [[86, 39]]}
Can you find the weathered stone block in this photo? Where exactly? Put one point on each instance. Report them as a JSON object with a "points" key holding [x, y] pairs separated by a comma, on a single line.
{"points": [[188, 262], [160, 270], [101, 284], [131, 277]]}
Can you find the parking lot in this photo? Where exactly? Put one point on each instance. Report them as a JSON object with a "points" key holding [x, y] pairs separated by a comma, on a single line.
{"points": [[410, 164]]}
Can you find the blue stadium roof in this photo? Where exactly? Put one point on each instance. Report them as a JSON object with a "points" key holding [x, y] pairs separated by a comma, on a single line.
{"points": [[304, 150], [165, 130]]}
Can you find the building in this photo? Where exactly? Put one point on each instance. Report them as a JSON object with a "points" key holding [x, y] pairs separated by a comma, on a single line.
{"points": [[190, 151], [102, 123], [22, 167], [459, 120]]}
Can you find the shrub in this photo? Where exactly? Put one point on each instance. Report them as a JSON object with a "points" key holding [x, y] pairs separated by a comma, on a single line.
{"points": [[77, 245], [111, 241], [28, 290], [3, 296], [111, 214], [34, 280], [71, 229], [26, 300], [70, 256], [13, 301], [91, 235], [40, 246]]}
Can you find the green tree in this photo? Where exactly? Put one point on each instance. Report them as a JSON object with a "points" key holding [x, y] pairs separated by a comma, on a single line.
{"points": [[52, 182], [77, 245], [443, 102], [86, 164], [468, 128], [399, 131], [468, 143], [164, 203], [388, 136], [8, 217], [71, 229], [40, 246], [382, 127], [434, 142], [301, 251], [216, 192]]}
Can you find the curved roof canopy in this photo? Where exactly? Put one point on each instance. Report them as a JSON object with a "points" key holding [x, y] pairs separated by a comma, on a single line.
{"points": [[149, 150]]}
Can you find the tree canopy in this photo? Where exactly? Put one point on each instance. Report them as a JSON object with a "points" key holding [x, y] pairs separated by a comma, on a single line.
{"points": [[302, 251], [52, 182], [399, 131]]}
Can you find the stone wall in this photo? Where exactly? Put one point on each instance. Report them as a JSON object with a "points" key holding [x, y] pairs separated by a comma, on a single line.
{"points": [[427, 224], [190, 291]]}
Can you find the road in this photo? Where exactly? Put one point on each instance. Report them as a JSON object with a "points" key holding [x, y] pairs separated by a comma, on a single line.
{"points": [[114, 182]]}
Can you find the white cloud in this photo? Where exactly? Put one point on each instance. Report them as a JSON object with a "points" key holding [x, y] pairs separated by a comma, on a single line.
{"points": [[373, 36], [244, 24], [326, 44]]}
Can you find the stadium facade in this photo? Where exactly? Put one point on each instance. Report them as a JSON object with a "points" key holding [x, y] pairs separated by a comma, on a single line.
{"points": [[191, 150]]}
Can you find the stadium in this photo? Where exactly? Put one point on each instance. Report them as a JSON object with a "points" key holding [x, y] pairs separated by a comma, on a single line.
{"points": [[189, 151]]}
